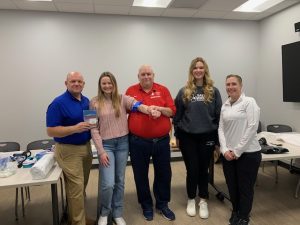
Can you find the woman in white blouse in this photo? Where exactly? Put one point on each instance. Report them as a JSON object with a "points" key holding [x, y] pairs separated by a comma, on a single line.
{"points": [[239, 145]]}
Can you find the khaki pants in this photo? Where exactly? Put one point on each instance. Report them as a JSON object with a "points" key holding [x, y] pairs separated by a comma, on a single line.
{"points": [[76, 162]]}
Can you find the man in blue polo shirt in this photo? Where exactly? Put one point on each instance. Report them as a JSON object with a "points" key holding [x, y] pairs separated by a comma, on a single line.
{"points": [[72, 148]]}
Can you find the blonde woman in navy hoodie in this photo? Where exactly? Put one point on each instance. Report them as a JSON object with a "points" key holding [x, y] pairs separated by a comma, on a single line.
{"points": [[198, 106]]}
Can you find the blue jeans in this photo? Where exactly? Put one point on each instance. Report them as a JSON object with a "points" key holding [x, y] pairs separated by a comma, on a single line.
{"points": [[141, 150], [111, 178]]}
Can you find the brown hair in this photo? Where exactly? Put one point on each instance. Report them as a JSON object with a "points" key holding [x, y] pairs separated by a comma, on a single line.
{"points": [[115, 97], [238, 77]]}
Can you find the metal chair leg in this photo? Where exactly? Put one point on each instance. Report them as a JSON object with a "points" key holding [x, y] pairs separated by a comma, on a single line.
{"points": [[16, 204], [62, 194], [22, 197], [63, 201], [276, 171], [297, 189], [27, 191]]}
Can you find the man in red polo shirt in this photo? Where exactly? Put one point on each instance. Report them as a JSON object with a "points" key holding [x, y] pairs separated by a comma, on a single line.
{"points": [[149, 137]]}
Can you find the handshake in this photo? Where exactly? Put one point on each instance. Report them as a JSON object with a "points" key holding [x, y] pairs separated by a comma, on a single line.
{"points": [[154, 111]]}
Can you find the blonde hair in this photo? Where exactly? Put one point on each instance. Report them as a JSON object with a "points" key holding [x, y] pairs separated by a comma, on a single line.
{"points": [[115, 97], [191, 87]]}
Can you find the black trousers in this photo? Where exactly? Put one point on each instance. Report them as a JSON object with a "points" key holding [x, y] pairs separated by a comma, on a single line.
{"points": [[197, 152], [240, 177], [141, 150]]}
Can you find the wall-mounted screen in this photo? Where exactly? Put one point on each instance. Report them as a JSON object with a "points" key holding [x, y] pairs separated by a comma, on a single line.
{"points": [[291, 72]]}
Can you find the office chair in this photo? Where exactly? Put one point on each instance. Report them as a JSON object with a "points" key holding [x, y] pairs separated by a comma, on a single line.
{"points": [[9, 146], [278, 128], [12, 147], [46, 144], [259, 129], [40, 144]]}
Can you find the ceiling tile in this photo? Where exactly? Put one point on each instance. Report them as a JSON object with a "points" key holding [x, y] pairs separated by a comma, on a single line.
{"points": [[192, 4], [262, 15], [222, 4], [7, 4], [171, 12], [75, 7], [241, 15], [40, 6], [74, 1], [114, 2], [111, 9], [282, 5], [142, 11], [210, 14]]}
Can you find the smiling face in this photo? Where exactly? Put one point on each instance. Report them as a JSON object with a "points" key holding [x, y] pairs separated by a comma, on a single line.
{"points": [[199, 72], [75, 83], [146, 77], [106, 85], [234, 87]]}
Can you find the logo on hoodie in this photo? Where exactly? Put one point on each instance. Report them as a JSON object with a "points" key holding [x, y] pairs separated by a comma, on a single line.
{"points": [[198, 98]]}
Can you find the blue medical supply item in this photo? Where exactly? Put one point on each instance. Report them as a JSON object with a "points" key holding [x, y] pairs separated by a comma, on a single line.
{"points": [[29, 162], [135, 106], [7, 168], [39, 155], [3, 162]]}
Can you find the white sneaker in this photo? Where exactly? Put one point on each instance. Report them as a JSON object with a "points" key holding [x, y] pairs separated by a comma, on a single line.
{"points": [[102, 220], [191, 207], [120, 221], [203, 209]]}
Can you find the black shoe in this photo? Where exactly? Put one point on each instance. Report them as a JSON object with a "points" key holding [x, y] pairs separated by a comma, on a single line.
{"points": [[167, 213], [233, 219], [148, 214], [243, 222]]}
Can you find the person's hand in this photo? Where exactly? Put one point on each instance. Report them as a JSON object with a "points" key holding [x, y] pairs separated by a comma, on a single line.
{"points": [[93, 125], [83, 126], [154, 111], [104, 159], [229, 155], [235, 157], [155, 114]]}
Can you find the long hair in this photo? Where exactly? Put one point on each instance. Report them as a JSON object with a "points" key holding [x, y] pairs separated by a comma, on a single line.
{"points": [[190, 87], [115, 97]]}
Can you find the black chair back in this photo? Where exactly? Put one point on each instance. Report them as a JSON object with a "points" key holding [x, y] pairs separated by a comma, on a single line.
{"points": [[259, 128], [40, 144], [9, 146], [279, 128]]}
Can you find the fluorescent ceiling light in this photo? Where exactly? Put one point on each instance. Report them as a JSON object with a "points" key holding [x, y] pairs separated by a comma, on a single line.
{"points": [[152, 3], [257, 5]]}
